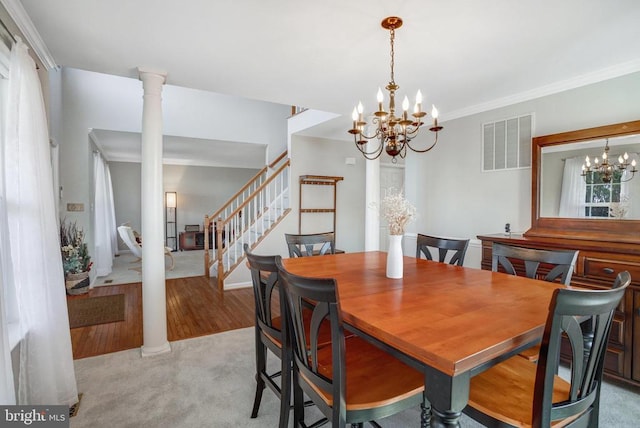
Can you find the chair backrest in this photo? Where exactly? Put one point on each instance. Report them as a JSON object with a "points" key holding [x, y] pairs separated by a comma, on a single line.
{"points": [[561, 261], [568, 307], [316, 244], [264, 276], [444, 245], [126, 233], [328, 376]]}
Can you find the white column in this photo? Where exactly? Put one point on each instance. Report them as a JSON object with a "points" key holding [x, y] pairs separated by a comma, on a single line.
{"points": [[154, 298], [372, 196]]}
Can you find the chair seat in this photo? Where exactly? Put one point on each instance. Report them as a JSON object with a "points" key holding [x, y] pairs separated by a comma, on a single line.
{"points": [[531, 354], [367, 382], [509, 387]]}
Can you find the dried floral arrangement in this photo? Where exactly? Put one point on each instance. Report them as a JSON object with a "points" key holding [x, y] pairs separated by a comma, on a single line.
{"points": [[397, 211], [620, 209], [75, 254]]}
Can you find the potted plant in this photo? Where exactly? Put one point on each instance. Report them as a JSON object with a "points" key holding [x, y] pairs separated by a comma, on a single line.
{"points": [[76, 261]]}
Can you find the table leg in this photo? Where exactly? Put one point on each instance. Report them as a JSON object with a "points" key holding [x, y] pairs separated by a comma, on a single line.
{"points": [[425, 415], [448, 397]]}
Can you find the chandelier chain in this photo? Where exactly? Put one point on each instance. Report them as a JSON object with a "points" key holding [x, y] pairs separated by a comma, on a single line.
{"points": [[393, 52]]}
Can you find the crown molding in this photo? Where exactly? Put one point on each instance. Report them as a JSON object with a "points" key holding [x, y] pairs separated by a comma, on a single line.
{"points": [[94, 138], [25, 25], [554, 88]]}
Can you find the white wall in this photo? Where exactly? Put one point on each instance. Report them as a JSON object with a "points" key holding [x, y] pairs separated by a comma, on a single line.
{"points": [[316, 156], [456, 199], [93, 100], [201, 190]]}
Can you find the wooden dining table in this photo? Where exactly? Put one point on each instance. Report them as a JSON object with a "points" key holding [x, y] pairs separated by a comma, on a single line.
{"points": [[450, 322]]}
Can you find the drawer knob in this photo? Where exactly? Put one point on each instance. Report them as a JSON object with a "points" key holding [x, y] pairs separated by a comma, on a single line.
{"points": [[608, 271]]}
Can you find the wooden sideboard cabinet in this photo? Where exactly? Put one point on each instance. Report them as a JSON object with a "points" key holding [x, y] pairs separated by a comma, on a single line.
{"points": [[598, 265], [194, 241]]}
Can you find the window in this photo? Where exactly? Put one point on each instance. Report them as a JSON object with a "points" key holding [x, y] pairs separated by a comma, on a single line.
{"points": [[506, 144], [603, 199]]}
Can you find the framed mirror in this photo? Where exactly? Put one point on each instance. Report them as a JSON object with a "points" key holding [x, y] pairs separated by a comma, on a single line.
{"points": [[568, 202]]}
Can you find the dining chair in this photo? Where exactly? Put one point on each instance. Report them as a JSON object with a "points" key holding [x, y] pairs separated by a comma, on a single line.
{"points": [[350, 381], [269, 334], [517, 393], [316, 244], [443, 245], [559, 265]]}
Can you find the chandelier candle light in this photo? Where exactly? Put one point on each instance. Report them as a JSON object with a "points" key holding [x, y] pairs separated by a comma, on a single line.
{"points": [[392, 132], [606, 169]]}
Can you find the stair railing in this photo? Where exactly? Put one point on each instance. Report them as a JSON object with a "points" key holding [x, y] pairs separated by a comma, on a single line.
{"points": [[246, 218]]}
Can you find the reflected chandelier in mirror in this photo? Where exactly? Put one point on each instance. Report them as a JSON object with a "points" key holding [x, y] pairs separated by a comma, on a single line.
{"points": [[606, 171]]}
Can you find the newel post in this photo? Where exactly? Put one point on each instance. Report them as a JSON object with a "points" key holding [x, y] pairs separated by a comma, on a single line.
{"points": [[219, 250], [207, 257]]}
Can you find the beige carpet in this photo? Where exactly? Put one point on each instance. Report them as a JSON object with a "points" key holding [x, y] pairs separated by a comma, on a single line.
{"points": [[209, 382], [186, 263]]}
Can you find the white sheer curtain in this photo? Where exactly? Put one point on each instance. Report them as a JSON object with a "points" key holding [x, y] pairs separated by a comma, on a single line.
{"points": [[106, 243], [8, 319], [46, 374], [573, 193], [631, 189]]}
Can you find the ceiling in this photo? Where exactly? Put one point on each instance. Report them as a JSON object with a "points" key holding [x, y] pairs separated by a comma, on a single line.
{"points": [[465, 55]]}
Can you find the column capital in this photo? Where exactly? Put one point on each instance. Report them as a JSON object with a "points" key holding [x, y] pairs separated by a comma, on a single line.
{"points": [[144, 72]]}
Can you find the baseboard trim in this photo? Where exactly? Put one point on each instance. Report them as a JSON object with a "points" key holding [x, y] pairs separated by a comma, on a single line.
{"points": [[237, 285]]}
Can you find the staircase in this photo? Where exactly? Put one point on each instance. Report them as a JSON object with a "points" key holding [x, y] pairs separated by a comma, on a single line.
{"points": [[246, 218]]}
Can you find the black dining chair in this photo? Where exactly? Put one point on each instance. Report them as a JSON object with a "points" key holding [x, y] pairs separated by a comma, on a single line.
{"points": [[315, 244], [516, 393], [269, 333], [547, 265], [558, 264], [350, 381], [443, 245]]}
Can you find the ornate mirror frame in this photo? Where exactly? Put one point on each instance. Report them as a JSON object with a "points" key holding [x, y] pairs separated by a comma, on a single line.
{"points": [[577, 228]]}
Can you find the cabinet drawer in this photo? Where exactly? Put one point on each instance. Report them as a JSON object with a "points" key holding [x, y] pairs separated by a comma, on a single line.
{"points": [[614, 361], [616, 336], [608, 269]]}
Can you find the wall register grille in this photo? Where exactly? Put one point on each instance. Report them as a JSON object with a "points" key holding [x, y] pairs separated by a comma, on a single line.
{"points": [[506, 144]]}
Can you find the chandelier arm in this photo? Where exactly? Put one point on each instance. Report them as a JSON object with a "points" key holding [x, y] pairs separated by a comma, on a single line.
{"points": [[372, 155], [425, 150], [370, 137], [376, 153], [412, 131], [633, 172], [403, 150]]}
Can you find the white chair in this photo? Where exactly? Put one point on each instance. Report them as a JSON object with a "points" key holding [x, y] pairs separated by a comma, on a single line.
{"points": [[126, 233]]}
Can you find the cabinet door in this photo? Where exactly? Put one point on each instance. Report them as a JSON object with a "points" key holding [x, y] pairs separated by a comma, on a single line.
{"points": [[187, 240], [635, 348]]}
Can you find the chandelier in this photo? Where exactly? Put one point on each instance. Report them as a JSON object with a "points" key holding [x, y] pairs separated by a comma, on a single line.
{"points": [[606, 170], [393, 133]]}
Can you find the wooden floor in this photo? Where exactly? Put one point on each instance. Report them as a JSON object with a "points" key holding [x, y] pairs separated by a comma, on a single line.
{"points": [[195, 307]]}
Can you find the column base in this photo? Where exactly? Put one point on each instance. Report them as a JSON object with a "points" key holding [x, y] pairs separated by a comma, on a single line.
{"points": [[150, 351]]}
